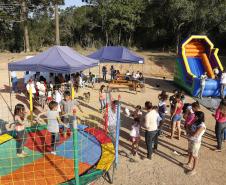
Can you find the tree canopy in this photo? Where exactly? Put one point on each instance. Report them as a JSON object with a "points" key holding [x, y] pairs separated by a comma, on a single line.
{"points": [[146, 24]]}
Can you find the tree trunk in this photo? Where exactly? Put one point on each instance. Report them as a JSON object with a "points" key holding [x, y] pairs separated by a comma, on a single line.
{"points": [[119, 37], [106, 37], [57, 25], [177, 42], [130, 38], [24, 18]]}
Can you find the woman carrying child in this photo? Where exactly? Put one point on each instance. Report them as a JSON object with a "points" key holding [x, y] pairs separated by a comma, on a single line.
{"points": [[20, 128], [195, 137]]}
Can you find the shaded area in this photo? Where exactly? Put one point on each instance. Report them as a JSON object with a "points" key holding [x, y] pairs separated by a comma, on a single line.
{"points": [[209, 102]]}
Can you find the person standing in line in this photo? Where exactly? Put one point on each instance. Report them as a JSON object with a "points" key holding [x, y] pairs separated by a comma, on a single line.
{"points": [[104, 72], [135, 136], [112, 72], [14, 81], [162, 110], [176, 116], [151, 129], [223, 83], [172, 100], [220, 117], [202, 84], [194, 142]]}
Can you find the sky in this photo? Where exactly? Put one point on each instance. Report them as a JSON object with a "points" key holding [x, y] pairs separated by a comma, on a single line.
{"points": [[69, 3]]}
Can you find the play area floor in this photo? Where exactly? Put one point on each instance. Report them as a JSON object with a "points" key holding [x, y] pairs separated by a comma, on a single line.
{"points": [[41, 167]]}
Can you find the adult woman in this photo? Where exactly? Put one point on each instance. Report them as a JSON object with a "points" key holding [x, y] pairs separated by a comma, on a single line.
{"points": [[220, 117], [176, 116]]}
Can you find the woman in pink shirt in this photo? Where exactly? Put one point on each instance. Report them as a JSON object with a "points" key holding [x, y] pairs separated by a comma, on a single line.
{"points": [[176, 116], [220, 117]]}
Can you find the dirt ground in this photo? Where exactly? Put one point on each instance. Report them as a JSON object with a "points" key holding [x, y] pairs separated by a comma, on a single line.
{"points": [[165, 168]]}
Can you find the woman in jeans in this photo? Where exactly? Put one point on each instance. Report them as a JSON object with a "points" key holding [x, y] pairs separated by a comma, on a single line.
{"points": [[176, 116], [220, 126]]}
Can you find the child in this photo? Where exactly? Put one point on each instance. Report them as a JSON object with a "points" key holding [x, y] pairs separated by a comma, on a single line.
{"points": [[102, 98], [197, 131], [68, 109], [19, 117], [137, 113], [53, 125], [42, 92], [189, 116], [135, 135], [162, 110], [163, 93], [173, 101], [49, 96], [58, 97]]}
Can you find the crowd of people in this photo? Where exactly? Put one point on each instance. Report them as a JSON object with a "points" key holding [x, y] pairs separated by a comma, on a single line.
{"points": [[60, 116], [48, 86], [193, 119], [62, 109]]}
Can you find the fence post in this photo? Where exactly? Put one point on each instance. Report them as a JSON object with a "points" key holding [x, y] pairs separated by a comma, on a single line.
{"points": [[117, 133], [72, 92], [75, 144], [31, 103]]}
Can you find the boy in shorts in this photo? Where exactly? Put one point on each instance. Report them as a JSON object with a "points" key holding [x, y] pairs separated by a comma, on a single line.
{"points": [[194, 142], [68, 109]]}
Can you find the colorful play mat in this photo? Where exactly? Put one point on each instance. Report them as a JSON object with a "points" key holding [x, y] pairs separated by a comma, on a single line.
{"points": [[95, 152]]}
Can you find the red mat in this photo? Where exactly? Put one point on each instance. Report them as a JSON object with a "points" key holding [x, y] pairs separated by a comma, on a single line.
{"points": [[99, 134], [41, 141], [49, 170]]}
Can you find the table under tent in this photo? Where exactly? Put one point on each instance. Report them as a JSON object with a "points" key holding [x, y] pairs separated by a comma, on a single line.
{"points": [[118, 55]]}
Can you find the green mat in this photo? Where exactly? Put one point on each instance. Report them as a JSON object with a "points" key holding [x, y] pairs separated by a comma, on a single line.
{"points": [[9, 162], [36, 128]]}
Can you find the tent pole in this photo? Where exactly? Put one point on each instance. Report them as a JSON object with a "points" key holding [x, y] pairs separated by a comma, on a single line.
{"points": [[10, 92], [99, 73]]}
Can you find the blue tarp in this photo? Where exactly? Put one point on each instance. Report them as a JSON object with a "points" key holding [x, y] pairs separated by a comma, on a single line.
{"points": [[117, 55], [58, 59]]}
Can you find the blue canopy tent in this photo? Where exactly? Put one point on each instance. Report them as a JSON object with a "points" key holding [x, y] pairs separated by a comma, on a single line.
{"points": [[116, 54], [57, 59]]}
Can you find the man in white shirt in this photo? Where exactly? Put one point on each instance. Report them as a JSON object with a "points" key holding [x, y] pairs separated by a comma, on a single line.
{"points": [[151, 127], [223, 83]]}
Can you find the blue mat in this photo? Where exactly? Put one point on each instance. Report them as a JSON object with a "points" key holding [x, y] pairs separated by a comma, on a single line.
{"points": [[89, 149]]}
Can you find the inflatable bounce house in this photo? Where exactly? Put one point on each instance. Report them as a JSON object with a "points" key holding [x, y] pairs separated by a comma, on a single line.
{"points": [[197, 55]]}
